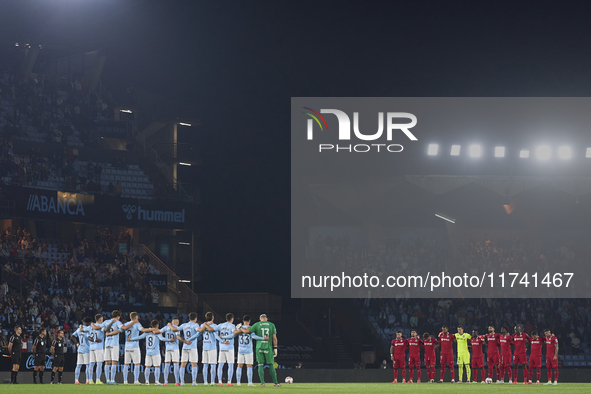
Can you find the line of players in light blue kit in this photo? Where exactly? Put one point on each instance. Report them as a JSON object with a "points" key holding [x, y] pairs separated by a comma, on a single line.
{"points": [[98, 344]]}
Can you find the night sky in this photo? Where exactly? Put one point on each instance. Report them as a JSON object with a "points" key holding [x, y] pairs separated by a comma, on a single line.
{"points": [[236, 64]]}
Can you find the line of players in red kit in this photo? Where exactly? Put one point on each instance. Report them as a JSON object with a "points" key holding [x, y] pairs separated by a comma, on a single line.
{"points": [[498, 354]]}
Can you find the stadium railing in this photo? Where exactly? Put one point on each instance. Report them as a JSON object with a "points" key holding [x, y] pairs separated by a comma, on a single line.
{"points": [[188, 298]]}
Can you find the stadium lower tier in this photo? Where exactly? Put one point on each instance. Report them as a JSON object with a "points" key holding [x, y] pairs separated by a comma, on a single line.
{"points": [[567, 375]]}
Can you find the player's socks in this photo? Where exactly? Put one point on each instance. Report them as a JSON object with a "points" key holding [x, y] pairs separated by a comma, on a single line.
{"points": [[273, 373], [194, 372], [212, 371], [166, 372], [261, 373], [539, 373], [113, 372], [35, 376], [125, 372], [403, 373], [108, 373], [468, 373], [41, 377], [59, 376], [99, 371], [419, 373], [147, 374], [238, 375], [510, 372], [249, 374], [136, 373], [182, 375], [220, 372], [453, 372], [176, 373], [556, 375], [549, 374], [460, 372], [442, 374], [52, 376], [230, 372], [89, 372], [76, 373], [411, 371], [157, 374], [205, 373]]}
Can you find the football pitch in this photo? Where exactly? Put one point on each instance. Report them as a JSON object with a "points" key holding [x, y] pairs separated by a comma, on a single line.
{"points": [[310, 388]]}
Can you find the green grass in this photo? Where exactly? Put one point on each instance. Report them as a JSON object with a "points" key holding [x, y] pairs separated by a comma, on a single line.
{"points": [[310, 388]]}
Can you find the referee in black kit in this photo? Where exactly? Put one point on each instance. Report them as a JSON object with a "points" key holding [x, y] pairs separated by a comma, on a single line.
{"points": [[39, 349], [15, 348], [58, 348]]}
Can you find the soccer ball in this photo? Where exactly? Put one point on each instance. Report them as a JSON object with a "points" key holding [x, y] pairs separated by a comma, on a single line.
{"points": [[488, 380], [289, 380]]}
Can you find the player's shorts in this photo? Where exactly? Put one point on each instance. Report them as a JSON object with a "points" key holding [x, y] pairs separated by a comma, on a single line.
{"points": [[190, 355], [97, 356], [112, 353], [551, 364], [209, 356], [414, 360], [477, 362], [172, 356], [58, 361], [446, 359], [245, 359], [493, 360], [535, 362], [520, 359], [226, 356], [505, 361], [399, 362], [153, 361], [40, 360], [463, 358], [132, 355], [430, 360], [266, 357], [83, 358], [15, 358]]}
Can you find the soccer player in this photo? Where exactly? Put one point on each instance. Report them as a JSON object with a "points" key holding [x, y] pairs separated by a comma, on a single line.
{"points": [[112, 328], [492, 352], [96, 338], [551, 356], [57, 351], [152, 352], [462, 339], [245, 354], [226, 349], [429, 344], [414, 355], [519, 354], [209, 354], [83, 349], [505, 342], [477, 355], [446, 356], [397, 353], [39, 349], [535, 358], [172, 351], [191, 332], [266, 351], [133, 328], [15, 348]]}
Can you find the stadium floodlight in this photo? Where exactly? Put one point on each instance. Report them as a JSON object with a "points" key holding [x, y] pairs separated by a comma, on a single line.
{"points": [[524, 153], [185, 164], [185, 124], [126, 111], [184, 243], [455, 150], [475, 150], [564, 152], [433, 149], [184, 281], [447, 219], [16, 44], [499, 151], [544, 152]]}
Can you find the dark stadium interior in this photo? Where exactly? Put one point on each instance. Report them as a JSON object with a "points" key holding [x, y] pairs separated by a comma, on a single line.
{"points": [[145, 166]]}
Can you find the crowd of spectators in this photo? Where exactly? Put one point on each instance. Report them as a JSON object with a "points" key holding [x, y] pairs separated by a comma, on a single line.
{"points": [[66, 282]]}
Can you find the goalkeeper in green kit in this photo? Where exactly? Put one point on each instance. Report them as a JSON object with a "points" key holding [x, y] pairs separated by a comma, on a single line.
{"points": [[462, 339], [265, 351]]}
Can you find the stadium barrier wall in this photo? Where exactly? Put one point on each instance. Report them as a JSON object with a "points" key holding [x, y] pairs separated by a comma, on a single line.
{"points": [[567, 375]]}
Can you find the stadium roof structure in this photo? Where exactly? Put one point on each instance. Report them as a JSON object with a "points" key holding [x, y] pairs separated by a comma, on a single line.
{"points": [[474, 201]]}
